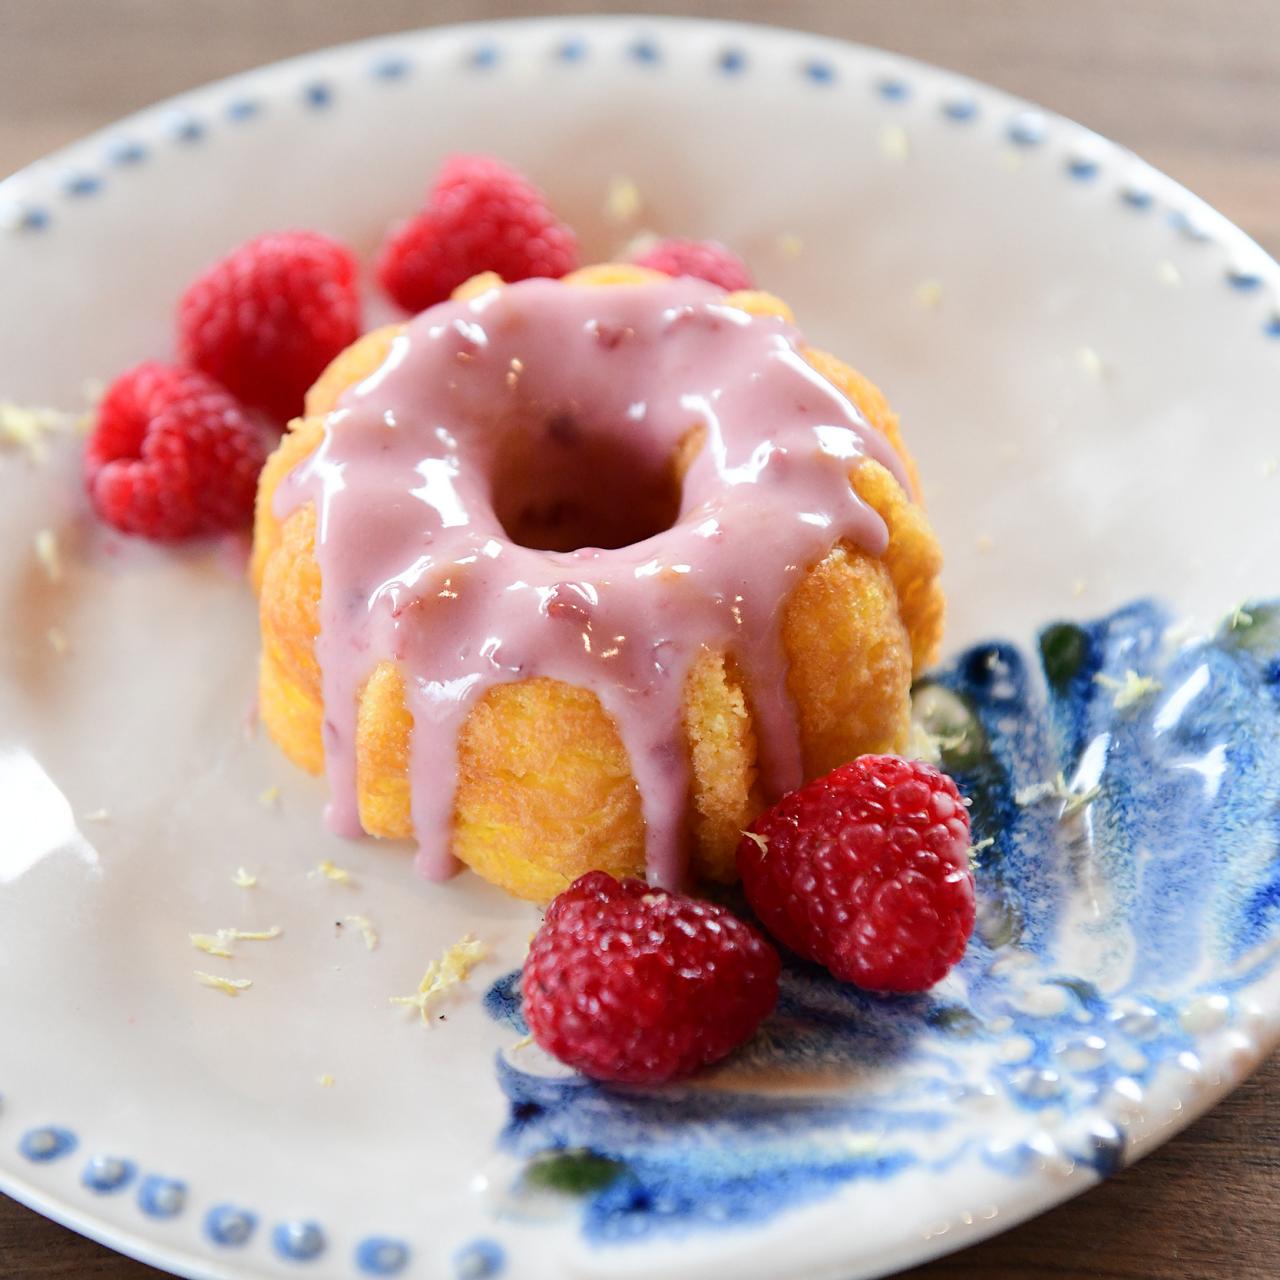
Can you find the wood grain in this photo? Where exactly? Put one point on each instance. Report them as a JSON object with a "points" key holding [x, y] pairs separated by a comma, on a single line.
{"points": [[1193, 87]]}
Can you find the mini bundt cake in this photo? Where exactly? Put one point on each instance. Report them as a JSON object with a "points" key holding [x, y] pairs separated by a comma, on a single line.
{"points": [[580, 574]]}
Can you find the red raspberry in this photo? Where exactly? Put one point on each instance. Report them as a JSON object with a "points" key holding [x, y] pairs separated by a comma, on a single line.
{"points": [[172, 455], [635, 984], [867, 872], [706, 259], [266, 319], [480, 216]]}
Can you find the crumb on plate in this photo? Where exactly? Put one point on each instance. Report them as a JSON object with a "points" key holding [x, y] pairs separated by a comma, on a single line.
{"points": [[453, 967]]}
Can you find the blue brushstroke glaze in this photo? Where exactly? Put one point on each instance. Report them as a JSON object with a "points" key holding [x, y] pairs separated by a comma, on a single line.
{"points": [[1170, 871]]}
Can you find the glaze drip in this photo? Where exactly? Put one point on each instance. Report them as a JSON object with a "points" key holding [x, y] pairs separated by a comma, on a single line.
{"points": [[601, 415]]}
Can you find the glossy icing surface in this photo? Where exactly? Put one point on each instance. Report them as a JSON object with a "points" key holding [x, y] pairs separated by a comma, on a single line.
{"points": [[588, 484]]}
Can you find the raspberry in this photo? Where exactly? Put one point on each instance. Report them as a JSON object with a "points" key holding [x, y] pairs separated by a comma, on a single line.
{"points": [[172, 455], [635, 984], [480, 216], [706, 259], [266, 319], [867, 872]]}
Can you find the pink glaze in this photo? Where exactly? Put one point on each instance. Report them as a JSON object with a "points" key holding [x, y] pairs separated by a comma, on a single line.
{"points": [[563, 407]]}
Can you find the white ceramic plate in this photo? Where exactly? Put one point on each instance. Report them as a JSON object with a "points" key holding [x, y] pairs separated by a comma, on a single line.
{"points": [[1087, 361]]}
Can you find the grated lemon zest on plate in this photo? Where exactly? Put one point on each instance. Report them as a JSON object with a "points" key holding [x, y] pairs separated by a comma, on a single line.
{"points": [[1269, 467], [523, 1043], [219, 942], [58, 641], [367, 930], [1057, 789], [790, 245], [46, 545], [269, 797], [325, 1081], [228, 986], [1168, 273], [210, 943], [928, 295], [894, 142], [976, 849], [331, 871], [1090, 363], [985, 542], [1078, 587], [1129, 691], [452, 968], [26, 427], [244, 879], [1239, 617], [761, 842], [622, 200], [98, 815]]}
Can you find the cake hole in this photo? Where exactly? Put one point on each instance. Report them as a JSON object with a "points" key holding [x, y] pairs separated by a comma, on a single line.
{"points": [[561, 485]]}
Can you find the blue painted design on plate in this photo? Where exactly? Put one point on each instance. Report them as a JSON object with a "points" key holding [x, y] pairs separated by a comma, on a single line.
{"points": [[391, 67], [1137, 197], [1100, 919], [732, 62], [1028, 129], [229, 1226], [241, 109], [318, 95], [893, 89], [960, 109], [299, 1241], [106, 1174], [47, 1143], [485, 56], [1082, 167], [124, 152], [645, 52], [572, 50], [162, 1197], [80, 184], [182, 126], [479, 1260], [819, 72], [380, 1256]]}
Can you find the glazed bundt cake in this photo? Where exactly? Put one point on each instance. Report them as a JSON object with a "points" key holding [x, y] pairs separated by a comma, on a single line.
{"points": [[580, 574]]}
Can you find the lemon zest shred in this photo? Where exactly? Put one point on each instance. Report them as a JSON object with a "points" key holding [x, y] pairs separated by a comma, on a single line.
{"points": [[1129, 691], [47, 552], [453, 967], [331, 871], [228, 986], [761, 842], [367, 930], [244, 879]]}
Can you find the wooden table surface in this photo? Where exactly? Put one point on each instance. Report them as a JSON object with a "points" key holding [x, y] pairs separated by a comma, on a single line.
{"points": [[1193, 87]]}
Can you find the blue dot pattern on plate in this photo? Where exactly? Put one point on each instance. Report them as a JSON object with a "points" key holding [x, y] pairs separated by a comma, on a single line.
{"points": [[105, 1174], [229, 1226], [318, 95], [391, 68], [1028, 129], [893, 89], [184, 127], [479, 1260], [160, 1197], [573, 50], [298, 1241], [47, 1144], [380, 1256], [242, 109], [1105, 918]]}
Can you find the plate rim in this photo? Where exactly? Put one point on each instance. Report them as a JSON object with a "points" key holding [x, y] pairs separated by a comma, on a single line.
{"points": [[1200, 221]]}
